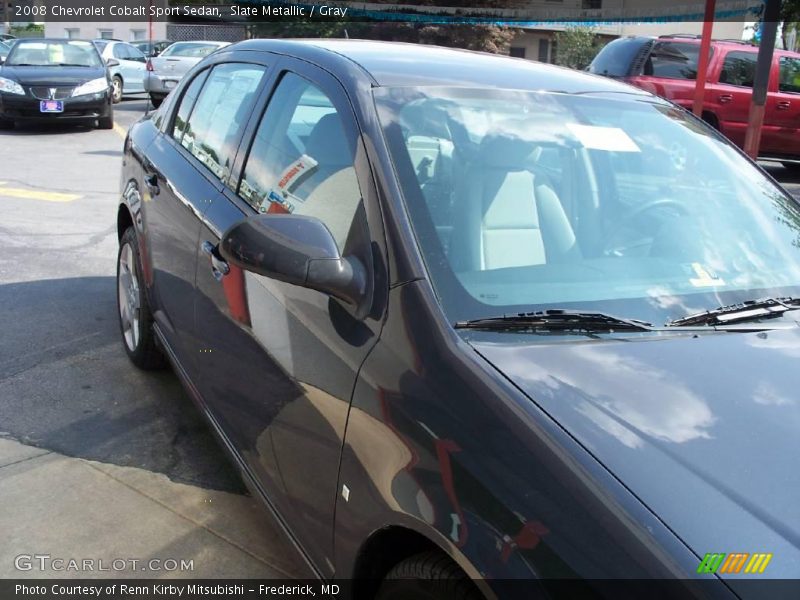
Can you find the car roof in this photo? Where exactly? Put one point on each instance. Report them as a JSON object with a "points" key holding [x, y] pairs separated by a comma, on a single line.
{"points": [[400, 64]]}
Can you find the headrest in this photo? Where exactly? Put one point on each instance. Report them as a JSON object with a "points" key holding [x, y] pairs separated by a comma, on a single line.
{"points": [[503, 151], [327, 143]]}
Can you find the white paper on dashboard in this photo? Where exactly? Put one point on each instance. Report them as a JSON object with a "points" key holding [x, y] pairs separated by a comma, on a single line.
{"points": [[611, 139]]}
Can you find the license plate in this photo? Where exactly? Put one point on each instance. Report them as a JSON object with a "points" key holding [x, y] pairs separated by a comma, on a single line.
{"points": [[51, 106], [169, 84]]}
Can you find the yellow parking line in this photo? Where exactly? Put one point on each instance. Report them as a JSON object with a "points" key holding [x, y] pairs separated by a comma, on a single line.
{"points": [[120, 131], [37, 195]]}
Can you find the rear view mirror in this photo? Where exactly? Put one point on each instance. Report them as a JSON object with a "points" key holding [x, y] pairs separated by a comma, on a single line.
{"points": [[112, 62], [299, 250]]}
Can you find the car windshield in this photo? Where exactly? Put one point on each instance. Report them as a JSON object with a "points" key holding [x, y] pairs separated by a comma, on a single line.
{"points": [[190, 50], [620, 203], [53, 53]]}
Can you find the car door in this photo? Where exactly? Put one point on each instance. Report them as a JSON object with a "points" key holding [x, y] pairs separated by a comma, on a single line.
{"points": [[732, 93], [139, 62], [177, 195], [782, 115], [279, 362], [132, 71]]}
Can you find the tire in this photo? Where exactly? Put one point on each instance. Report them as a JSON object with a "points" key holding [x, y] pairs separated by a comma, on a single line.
{"points": [[427, 576], [135, 317], [106, 122], [116, 89], [156, 100]]}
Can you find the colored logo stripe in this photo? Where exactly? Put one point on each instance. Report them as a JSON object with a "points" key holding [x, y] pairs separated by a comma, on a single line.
{"points": [[733, 563]]}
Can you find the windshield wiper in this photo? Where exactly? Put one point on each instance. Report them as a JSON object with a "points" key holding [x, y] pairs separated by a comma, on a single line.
{"points": [[737, 313], [70, 65], [557, 320]]}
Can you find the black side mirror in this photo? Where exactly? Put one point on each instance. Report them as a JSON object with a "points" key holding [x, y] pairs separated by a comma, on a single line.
{"points": [[112, 62], [299, 250]]}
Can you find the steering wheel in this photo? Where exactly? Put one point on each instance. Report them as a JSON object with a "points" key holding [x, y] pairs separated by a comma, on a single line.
{"points": [[634, 214]]}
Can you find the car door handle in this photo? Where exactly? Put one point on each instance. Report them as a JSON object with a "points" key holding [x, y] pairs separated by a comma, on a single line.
{"points": [[725, 98], [151, 181], [219, 267], [784, 105]]}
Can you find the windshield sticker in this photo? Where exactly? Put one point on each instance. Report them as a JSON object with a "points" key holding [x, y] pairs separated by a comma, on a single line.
{"points": [[705, 277], [611, 139]]}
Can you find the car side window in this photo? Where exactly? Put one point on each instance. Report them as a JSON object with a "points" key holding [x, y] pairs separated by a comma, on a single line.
{"points": [[135, 54], [301, 160], [673, 60], [789, 80], [222, 108], [739, 68], [118, 50], [186, 104]]}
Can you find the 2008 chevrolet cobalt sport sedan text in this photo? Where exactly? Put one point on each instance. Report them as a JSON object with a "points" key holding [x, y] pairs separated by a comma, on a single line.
{"points": [[403, 283]]}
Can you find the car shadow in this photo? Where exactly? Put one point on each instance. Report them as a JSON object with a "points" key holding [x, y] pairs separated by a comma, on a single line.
{"points": [[68, 386], [46, 129]]}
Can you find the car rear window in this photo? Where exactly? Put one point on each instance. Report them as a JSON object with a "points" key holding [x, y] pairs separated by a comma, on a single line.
{"points": [[190, 50], [617, 58], [674, 60]]}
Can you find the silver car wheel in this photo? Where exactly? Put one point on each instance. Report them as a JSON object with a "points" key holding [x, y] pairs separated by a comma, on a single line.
{"points": [[116, 89], [128, 292]]}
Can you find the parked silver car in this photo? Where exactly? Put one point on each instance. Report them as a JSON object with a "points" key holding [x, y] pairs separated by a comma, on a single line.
{"points": [[128, 70], [166, 70]]}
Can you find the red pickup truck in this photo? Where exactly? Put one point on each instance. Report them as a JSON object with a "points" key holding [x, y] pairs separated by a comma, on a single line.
{"points": [[667, 66]]}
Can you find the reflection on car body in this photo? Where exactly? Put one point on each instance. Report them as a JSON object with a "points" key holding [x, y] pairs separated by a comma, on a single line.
{"points": [[403, 283]]}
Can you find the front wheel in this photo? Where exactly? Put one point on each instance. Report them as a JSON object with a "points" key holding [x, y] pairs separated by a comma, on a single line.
{"points": [[427, 576], [106, 122], [135, 317], [116, 89]]}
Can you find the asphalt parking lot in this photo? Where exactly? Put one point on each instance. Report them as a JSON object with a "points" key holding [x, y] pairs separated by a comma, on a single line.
{"points": [[98, 460]]}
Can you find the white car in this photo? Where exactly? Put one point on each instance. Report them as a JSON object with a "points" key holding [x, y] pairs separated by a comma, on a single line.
{"points": [[128, 76], [166, 70]]}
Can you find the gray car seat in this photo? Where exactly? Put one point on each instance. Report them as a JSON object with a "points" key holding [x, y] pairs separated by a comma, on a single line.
{"points": [[506, 215]]}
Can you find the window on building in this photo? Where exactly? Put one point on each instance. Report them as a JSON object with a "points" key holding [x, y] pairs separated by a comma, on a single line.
{"points": [[544, 50], [591, 4], [138, 35], [516, 51], [105, 34], [72, 33]]}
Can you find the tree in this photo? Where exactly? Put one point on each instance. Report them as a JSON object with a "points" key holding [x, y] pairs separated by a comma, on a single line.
{"points": [[576, 46], [790, 17], [486, 38]]}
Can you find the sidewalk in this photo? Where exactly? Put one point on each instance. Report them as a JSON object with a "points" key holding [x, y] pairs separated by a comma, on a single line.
{"points": [[72, 508]]}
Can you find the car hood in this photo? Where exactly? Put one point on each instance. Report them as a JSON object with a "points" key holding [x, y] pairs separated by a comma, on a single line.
{"points": [[704, 430], [57, 76]]}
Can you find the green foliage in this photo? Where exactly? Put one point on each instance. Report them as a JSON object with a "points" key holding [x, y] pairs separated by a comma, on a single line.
{"points": [[576, 46]]}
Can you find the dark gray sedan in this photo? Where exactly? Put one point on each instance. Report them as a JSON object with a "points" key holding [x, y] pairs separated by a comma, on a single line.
{"points": [[474, 326]]}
